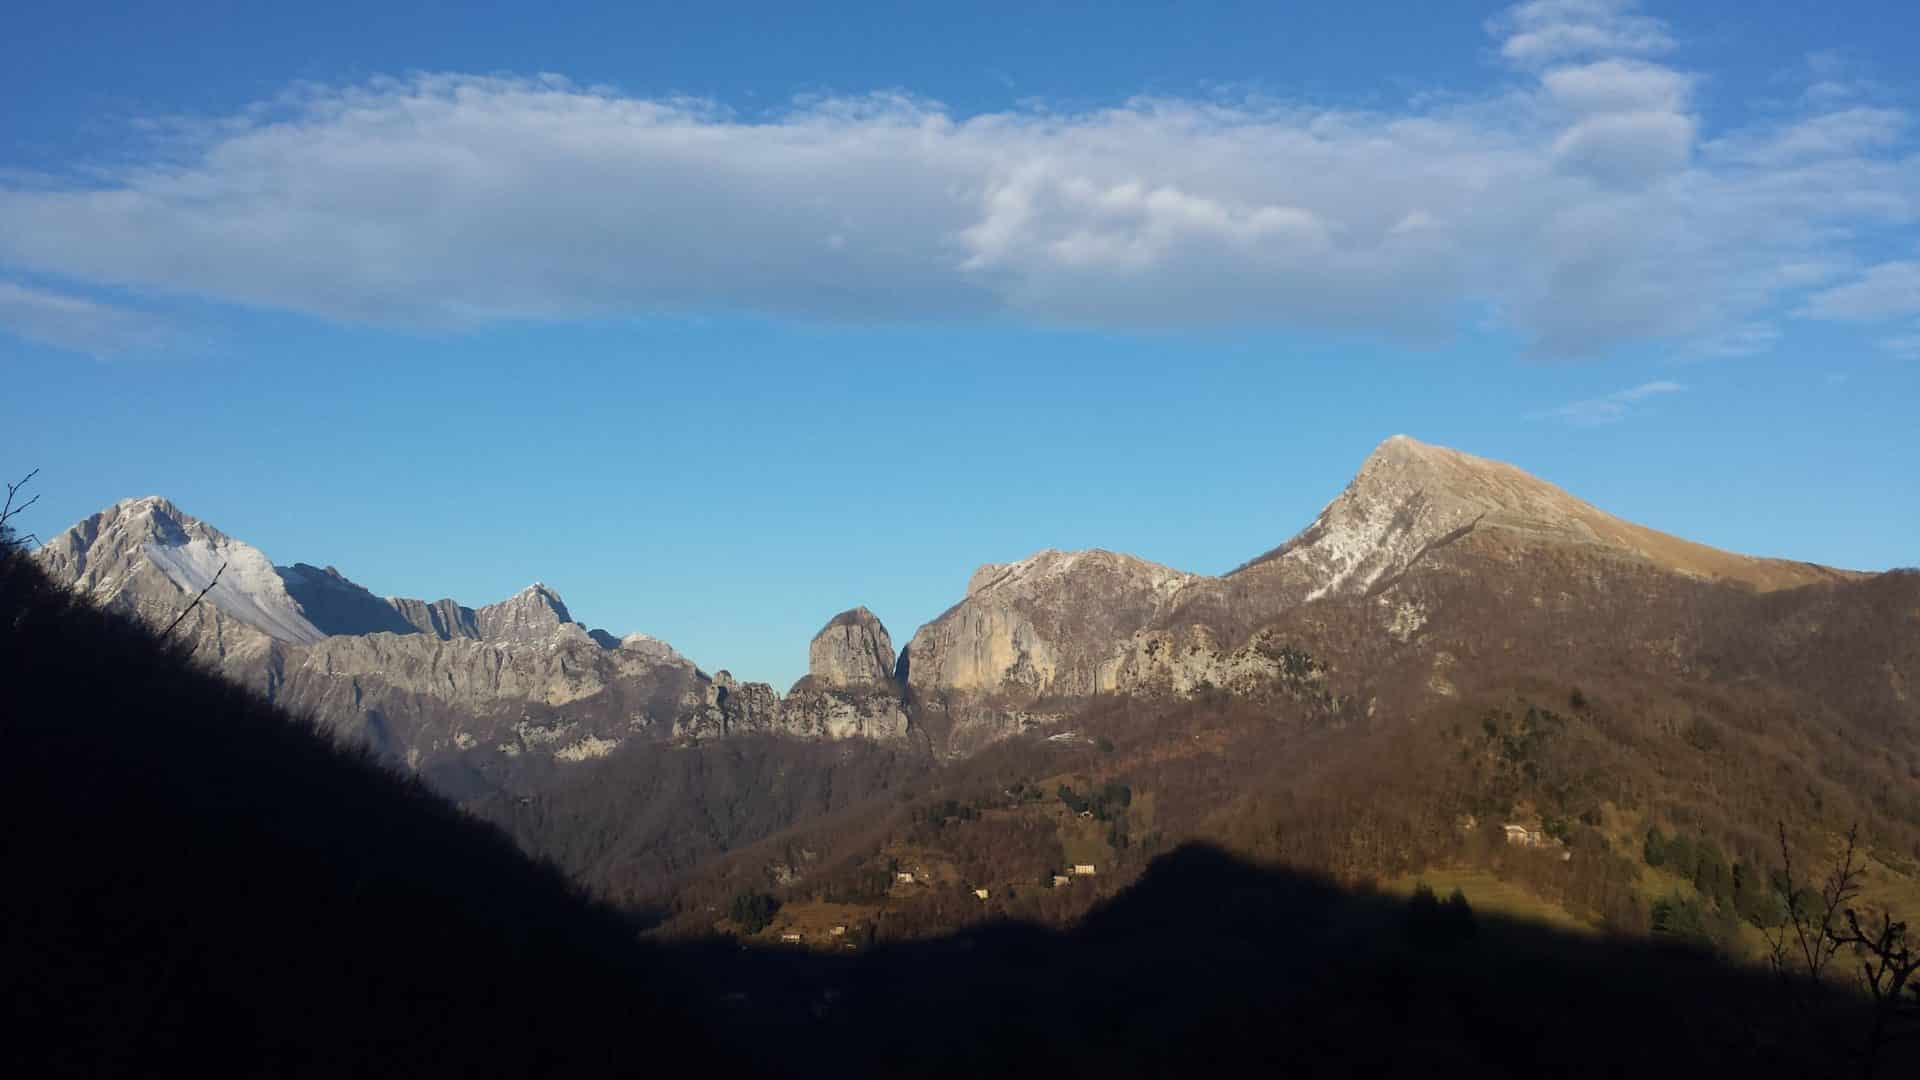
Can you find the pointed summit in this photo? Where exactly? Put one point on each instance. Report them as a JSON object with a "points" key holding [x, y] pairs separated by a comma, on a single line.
{"points": [[1410, 497], [853, 649], [532, 614], [147, 555]]}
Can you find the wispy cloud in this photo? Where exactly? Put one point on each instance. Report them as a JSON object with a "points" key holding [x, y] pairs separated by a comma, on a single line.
{"points": [[1747, 339], [1582, 205], [74, 322], [1610, 408], [1542, 31], [1829, 76], [1904, 346], [1887, 291]]}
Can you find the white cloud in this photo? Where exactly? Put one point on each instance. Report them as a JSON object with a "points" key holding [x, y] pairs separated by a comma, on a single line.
{"points": [[1611, 408], [1887, 291], [1585, 210], [1831, 76], [1543, 31], [1616, 86], [1633, 147], [1842, 133], [74, 322]]}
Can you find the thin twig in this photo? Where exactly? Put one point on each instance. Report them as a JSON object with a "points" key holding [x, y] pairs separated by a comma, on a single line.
{"points": [[196, 601], [9, 511]]}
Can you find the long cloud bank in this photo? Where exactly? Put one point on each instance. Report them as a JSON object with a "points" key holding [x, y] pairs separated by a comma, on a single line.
{"points": [[1579, 207]]}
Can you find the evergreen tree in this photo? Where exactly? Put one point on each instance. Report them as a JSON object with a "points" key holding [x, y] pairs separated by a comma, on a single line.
{"points": [[1655, 851], [751, 911]]}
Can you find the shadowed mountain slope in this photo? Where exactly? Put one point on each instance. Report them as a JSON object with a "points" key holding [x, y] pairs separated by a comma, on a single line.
{"points": [[198, 884]]}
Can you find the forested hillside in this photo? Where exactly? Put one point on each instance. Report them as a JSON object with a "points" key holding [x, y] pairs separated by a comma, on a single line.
{"points": [[1671, 708], [201, 883]]}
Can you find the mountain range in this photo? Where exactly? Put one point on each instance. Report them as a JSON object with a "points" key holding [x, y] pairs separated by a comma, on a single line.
{"points": [[1436, 585], [426, 681], [201, 883]]}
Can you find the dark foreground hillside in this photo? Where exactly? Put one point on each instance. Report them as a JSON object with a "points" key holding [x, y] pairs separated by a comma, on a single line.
{"points": [[1209, 963], [197, 884]]}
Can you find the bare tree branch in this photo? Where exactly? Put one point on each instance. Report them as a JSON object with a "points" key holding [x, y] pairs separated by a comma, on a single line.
{"points": [[1818, 926], [196, 602], [9, 511], [1888, 966]]}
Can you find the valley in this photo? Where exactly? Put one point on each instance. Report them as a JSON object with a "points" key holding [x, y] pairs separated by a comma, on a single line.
{"points": [[1094, 774], [1450, 648]]}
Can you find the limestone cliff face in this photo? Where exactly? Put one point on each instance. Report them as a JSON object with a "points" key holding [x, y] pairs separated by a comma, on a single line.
{"points": [[1060, 626], [1190, 659], [853, 649], [419, 698], [731, 707], [1041, 626], [1037, 629], [849, 690], [443, 618], [844, 714]]}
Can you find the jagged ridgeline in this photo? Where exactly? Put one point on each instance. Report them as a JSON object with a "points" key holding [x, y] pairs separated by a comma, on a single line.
{"points": [[202, 885], [1436, 586], [453, 691], [1456, 672]]}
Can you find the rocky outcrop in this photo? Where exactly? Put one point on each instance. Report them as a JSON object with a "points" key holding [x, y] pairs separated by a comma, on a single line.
{"points": [[853, 649], [849, 690], [1041, 626], [535, 613], [442, 618], [147, 559], [1410, 498], [1410, 501], [425, 683], [812, 713], [1029, 631], [1189, 660], [336, 605], [985, 575], [1060, 626], [731, 707], [1028, 641]]}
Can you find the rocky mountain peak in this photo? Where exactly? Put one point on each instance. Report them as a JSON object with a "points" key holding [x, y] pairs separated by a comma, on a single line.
{"points": [[1042, 624], [1406, 498], [853, 649], [1050, 569], [534, 613], [147, 553], [1410, 497]]}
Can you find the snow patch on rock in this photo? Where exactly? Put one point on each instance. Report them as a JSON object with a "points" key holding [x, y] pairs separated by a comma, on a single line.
{"points": [[249, 589]]}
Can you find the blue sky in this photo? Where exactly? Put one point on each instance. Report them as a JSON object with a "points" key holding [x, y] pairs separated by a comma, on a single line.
{"points": [[722, 320]]}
